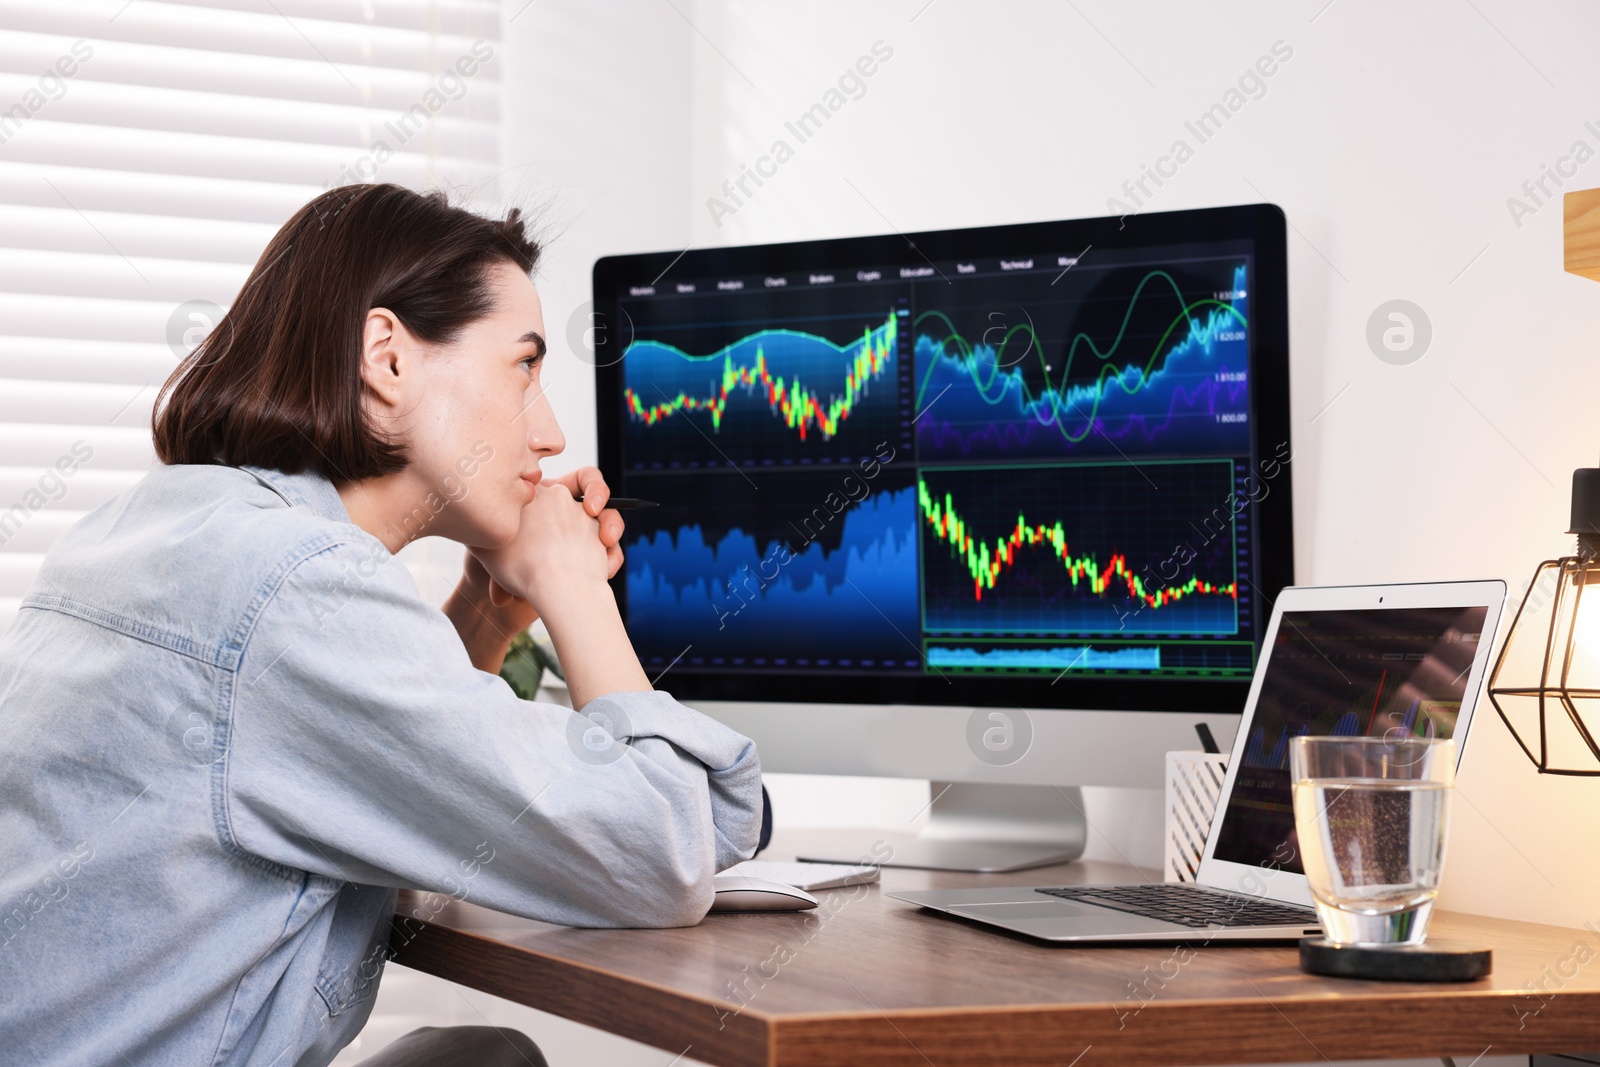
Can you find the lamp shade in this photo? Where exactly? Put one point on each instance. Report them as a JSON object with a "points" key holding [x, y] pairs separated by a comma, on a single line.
{"points": [[1546, 681]]}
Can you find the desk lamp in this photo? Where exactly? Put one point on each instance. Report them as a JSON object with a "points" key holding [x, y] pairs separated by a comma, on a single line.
{"points": [[1546, 681]]}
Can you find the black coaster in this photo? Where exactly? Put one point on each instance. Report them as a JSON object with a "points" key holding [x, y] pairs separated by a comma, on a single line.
{"points": [[1433, 961]]}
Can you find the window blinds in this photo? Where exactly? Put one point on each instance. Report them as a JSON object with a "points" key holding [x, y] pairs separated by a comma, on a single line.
{"points": [[148, 152]]}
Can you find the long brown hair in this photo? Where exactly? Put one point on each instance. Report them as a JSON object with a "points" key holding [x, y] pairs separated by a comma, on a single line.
{"points": [[278, 383]]}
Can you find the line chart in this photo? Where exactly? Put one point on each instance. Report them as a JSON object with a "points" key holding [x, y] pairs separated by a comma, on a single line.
{"points": [[1174, 371]]}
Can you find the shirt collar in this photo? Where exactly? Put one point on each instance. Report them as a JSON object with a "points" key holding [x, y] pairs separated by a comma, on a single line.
{"points": [[308, 489]]}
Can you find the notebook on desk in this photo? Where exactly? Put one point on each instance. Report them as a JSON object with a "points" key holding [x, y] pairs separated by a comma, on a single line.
{"points": [[1396, 660]]}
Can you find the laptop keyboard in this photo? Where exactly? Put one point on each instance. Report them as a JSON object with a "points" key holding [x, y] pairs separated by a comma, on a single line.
{"points": [[1187, 905]]}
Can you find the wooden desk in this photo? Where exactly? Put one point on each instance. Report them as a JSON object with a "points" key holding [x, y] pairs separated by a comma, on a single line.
{"points": [[867, 981]]}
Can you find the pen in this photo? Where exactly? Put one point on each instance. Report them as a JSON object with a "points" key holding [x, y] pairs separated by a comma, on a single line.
{"points": [[623, 503], [1207, 742]]}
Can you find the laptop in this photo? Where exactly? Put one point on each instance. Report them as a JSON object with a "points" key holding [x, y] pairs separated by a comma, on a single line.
{"points": [[1389, 660]]}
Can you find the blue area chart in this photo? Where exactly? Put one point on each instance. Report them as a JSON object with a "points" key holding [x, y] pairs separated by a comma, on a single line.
{"points": [[740, 603], [1175, 376]]}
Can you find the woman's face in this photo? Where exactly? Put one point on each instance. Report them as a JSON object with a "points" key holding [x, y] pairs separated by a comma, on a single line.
{"points": [[476, 421]]}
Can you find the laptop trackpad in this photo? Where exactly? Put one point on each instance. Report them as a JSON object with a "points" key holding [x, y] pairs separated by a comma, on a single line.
{"points": [[1054, 917], [1048, 908]]}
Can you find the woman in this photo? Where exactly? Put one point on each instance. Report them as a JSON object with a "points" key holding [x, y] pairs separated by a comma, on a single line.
{"points": [[231, 726]]}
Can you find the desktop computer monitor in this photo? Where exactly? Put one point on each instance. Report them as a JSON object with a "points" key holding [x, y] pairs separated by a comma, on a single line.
{"points": [[1003, 507]]}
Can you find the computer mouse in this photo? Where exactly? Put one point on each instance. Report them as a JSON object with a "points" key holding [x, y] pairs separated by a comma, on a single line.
{"points": [[735, 892]]}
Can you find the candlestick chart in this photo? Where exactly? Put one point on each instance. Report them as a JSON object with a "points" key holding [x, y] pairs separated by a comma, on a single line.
{"points": [[773, 394], [1084, 549], [1141, 360]]}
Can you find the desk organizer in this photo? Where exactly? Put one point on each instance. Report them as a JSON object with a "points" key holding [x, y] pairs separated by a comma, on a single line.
{"points": [[1194, 784]]}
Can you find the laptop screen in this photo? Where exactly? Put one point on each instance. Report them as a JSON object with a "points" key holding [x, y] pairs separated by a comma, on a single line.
{"points": [[1372, 672]]}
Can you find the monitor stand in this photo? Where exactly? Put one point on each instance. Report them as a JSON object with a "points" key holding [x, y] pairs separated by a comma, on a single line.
{"points": [[984, 828]]}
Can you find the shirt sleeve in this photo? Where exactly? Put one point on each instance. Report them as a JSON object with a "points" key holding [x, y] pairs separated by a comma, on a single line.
{"points": [[364, 746]]}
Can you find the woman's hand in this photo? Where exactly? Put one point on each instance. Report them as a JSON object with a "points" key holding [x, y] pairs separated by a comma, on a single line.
{"points": [[588, 483], [489, 606], [558, 564], [560, 550]]}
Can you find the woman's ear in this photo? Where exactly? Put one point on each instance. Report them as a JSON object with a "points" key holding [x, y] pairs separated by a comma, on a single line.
{"points": [[387, 354]]}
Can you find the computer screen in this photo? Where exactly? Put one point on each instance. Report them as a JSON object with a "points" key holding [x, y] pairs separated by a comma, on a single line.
{"points": [[1372, 672], [1043, 465]]}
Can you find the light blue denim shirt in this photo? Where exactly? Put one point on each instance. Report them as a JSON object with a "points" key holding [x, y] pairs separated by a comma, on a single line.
{"points": [[230, 728]]}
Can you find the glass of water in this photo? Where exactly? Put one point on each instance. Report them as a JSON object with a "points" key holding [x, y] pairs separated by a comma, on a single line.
{"points": [[1371, 814]]}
